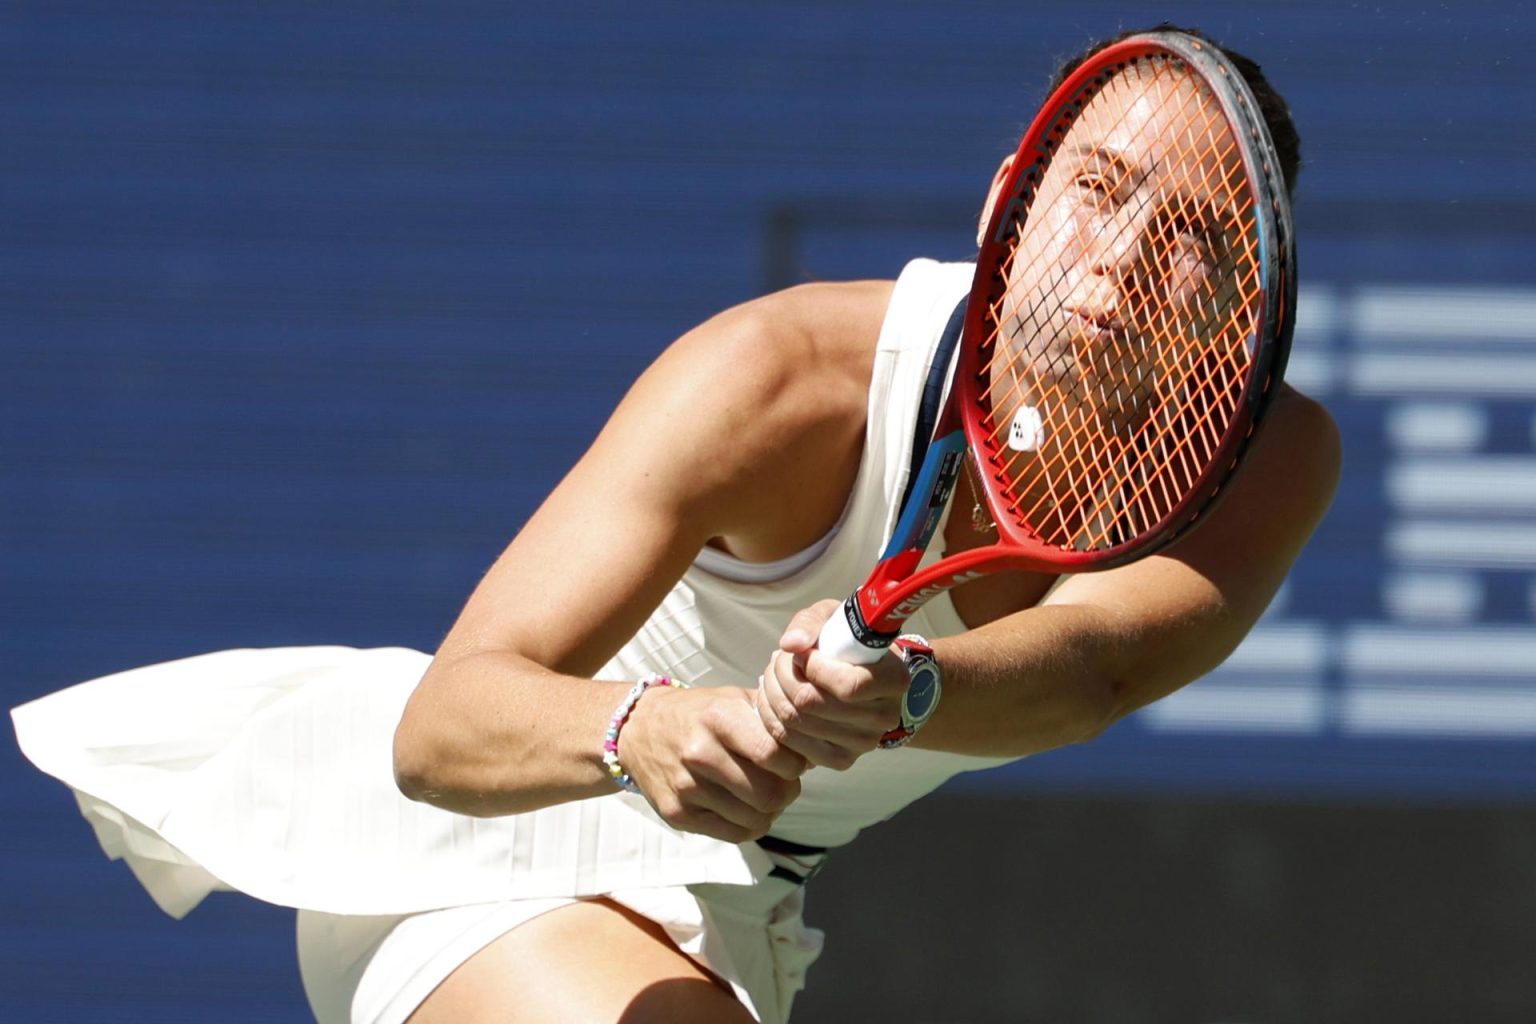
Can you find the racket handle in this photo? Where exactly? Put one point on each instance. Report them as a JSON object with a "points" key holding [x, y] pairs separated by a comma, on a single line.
{"points": [[837, 640]]}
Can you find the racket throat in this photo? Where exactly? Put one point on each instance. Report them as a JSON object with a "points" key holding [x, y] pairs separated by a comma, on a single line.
{"points": [[878, 612]]}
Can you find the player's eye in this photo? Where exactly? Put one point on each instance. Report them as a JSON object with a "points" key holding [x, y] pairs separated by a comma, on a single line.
{"points": [[1188, 238], [1096, 184]]}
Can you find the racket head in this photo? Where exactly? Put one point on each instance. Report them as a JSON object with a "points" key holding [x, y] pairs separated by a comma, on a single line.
{"points": [[1132, 308]]}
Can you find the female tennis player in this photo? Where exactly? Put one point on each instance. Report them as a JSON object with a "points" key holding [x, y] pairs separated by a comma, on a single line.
{"points": [[543, 823]]}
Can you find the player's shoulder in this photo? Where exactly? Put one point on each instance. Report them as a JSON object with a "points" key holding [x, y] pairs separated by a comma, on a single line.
{"points": [[1304, 439], [766, 399], [826, 324], [794, 350], [1306, 420]]}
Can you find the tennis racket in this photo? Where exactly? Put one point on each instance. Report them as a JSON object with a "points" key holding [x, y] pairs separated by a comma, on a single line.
{"points": [[1127, 328]]}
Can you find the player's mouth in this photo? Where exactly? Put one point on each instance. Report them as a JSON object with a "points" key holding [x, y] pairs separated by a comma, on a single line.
{"points": [[1099, 329]]}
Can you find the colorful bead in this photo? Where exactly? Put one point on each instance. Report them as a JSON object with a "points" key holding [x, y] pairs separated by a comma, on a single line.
{"points": [[611, 736]]}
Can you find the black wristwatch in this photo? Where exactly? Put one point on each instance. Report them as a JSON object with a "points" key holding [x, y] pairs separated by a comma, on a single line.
{"points": [[925, 684]]}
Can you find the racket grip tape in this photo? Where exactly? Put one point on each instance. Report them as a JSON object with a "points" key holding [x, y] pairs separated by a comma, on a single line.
{"points": [[846, 637]]}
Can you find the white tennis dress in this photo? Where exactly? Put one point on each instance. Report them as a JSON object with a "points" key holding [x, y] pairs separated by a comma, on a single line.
{"points": [[269, 771]]}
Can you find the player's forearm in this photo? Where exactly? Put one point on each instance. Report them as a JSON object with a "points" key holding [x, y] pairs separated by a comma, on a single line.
{"points": [[492, 733], [1044, 678]]}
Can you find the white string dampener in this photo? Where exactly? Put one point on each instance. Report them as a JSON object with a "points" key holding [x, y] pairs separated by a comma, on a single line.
{"points": [[1027, 433]]}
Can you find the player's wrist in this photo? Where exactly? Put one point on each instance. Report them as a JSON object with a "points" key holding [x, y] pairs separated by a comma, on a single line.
{"points": [[629, 723]]}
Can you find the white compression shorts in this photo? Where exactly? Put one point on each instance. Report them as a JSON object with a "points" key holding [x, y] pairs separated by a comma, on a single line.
{"points": [[378, 970]]}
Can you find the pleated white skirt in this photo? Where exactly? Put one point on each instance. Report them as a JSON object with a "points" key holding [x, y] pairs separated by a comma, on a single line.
{"points": [[270, 772]]}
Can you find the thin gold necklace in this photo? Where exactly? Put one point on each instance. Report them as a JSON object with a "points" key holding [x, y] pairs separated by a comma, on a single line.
{"points": [[981, 516]]}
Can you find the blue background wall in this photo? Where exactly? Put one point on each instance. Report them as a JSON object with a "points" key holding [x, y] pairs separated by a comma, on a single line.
{"points": [[304, 306]]}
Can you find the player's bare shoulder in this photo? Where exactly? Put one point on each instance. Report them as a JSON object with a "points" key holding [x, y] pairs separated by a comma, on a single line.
{"points": [[795, 360], [1305, 445], [776, 396], [820, 337], [1286, 484]]}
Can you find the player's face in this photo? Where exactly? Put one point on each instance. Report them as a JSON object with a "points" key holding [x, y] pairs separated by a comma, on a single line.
{"points": [[1124, 244]]}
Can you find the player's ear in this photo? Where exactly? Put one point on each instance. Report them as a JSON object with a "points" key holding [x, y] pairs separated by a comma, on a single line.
{"points": [[997, 184]]}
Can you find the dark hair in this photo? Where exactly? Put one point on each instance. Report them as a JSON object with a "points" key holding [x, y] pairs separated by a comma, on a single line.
{"points": [[1277, 115]]}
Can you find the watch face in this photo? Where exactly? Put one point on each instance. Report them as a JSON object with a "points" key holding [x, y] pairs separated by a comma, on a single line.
{"points": [[922, 692]]}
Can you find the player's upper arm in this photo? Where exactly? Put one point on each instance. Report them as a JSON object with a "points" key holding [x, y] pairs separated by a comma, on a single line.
{"points": [[1179, 614]]}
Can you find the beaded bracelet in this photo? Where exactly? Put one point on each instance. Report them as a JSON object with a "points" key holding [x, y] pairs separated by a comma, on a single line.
{"points": [[611, 737]]}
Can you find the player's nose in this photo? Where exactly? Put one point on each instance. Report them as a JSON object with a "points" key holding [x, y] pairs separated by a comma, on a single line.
{"points": [[1116, 245]]}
